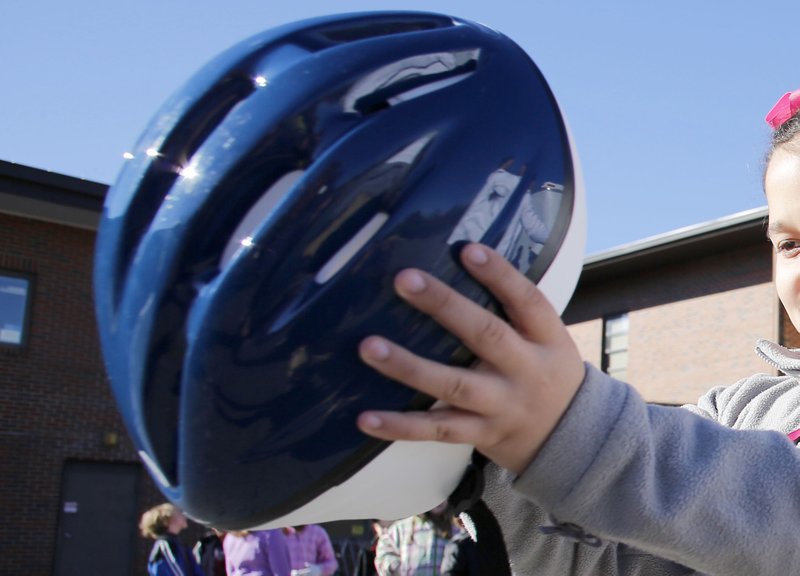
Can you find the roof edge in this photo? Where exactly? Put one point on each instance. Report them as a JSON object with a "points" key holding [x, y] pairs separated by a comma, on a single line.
{"points": [[42, 195], [707, 237]]}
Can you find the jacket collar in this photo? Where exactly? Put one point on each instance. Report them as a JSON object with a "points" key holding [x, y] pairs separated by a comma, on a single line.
{"points": [[787, 360]]}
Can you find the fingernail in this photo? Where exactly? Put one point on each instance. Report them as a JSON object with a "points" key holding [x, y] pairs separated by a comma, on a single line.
{"points": [[411, 281], [376, 349], [371, 421], [476, 254]]}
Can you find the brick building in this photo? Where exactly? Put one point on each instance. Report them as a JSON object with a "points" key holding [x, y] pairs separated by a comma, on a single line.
{"points": [[679, 313], [63, 447], [674, 314], [72, 489]]}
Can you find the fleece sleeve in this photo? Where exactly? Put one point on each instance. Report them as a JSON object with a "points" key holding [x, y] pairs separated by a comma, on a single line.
{"points": [[669, 483]]}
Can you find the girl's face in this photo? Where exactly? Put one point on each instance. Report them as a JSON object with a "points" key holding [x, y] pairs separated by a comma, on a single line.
{"points": [[782, 187], [177, 522]]}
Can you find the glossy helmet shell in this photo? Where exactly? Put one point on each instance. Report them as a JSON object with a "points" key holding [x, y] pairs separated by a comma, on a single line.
{"points": [[250, 243]]}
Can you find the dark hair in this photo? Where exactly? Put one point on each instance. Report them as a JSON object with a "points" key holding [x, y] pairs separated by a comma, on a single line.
{"points": [[442, 522], [784, 134]]}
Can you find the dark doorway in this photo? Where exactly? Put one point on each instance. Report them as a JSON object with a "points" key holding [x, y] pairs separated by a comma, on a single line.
{"points": [[97, 519]]}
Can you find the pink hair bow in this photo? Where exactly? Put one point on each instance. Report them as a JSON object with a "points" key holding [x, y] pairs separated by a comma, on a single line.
{"points": [[784, 109]]}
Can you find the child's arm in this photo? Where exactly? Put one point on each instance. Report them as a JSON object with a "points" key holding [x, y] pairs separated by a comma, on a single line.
{"points": [[529, 373], [660, 480], [665, 481]]}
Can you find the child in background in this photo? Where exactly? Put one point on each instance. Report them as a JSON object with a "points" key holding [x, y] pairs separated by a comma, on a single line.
{"points": [[168, 557], [256, 553], [310, 550], [208, 553], [415, 545], [586, 478], [461, 557]]}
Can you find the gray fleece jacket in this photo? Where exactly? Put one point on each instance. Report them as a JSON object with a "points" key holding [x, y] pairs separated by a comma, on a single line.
{"points": [[626, 488]]}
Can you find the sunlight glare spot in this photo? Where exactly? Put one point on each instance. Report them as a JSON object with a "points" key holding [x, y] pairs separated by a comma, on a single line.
{"points": [[188, 172]]}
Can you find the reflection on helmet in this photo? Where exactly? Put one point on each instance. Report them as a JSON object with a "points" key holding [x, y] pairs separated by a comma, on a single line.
{"points": [[526, 231], [251, 241]]}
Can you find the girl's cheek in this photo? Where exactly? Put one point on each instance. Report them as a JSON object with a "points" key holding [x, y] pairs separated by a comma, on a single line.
{"points": [[787, 283]]}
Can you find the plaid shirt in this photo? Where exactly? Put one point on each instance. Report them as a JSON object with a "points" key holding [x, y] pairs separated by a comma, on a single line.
{"points": [[410, 547], [311, 545]]}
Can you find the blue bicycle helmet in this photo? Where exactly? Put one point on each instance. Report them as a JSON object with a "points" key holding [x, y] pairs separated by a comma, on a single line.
{"points": [[250, 242]]}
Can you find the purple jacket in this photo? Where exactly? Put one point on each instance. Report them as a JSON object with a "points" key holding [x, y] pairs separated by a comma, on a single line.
{"points": [[256, 553]]}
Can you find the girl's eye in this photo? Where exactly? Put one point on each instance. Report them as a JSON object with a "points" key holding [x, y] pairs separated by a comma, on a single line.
{"points": [[788, 247]]}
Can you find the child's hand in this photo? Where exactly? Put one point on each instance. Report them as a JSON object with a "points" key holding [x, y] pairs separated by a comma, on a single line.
{"points": [[528, 374]]}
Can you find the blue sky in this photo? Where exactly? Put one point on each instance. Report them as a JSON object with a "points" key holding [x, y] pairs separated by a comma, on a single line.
{"points": [[666, 100]]}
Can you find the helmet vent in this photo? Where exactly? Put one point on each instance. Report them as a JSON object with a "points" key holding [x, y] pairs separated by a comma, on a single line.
{"points": [[172, 156], [203, 118], [259, 213], [410, 78], [426, 89], [351, 248]]}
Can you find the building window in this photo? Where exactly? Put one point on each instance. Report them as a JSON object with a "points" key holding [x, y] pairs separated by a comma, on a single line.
{"points": [[15, 296], [615, 345]]}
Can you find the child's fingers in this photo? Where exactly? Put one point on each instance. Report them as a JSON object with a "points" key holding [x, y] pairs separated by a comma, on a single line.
{"points": [[531, 371], [526, 306], [441, 425], [472, 390], [483, 332]]}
